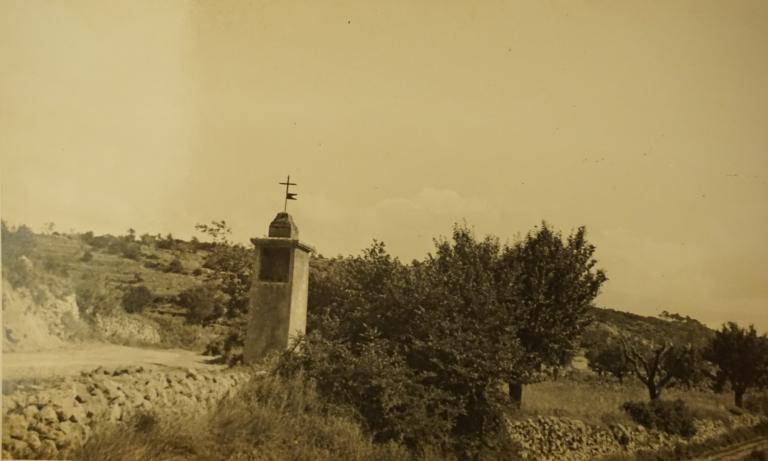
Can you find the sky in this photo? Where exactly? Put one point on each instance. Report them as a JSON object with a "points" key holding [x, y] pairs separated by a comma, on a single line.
{"points": [[645, 121]]}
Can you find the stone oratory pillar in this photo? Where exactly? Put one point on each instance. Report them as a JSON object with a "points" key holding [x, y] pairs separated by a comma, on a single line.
{"points": [[278, 297]]}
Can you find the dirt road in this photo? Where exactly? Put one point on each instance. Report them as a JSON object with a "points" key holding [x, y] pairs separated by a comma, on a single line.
{"points": [[73, 359], [736, 452]]}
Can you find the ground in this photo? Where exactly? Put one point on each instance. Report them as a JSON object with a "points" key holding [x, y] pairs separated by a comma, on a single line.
{"points": [[76, 358]]}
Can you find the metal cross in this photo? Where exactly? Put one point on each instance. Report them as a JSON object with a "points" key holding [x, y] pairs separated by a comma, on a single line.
{"points": [[288, 195]]}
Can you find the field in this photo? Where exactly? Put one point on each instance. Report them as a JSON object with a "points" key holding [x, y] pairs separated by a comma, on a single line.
{"points": [[599, 403]]}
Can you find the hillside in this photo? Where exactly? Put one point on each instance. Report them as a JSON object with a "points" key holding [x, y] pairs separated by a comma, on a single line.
{"points": [[671, 327], [72, 288]]}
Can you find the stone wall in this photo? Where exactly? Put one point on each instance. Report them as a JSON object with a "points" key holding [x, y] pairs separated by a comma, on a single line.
{"points": [[556, 438], [49, 422]]}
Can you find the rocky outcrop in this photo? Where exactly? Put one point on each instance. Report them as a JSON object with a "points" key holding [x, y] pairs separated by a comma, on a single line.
{"points": [[558, 439], [126, 328], [35, 322], [48, 423]]}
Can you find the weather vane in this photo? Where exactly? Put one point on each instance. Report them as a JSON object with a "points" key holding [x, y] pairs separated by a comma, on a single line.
{"points": [[288, 195]]}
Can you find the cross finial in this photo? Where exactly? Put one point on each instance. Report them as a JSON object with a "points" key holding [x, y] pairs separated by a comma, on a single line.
{"points": [[288, 195]]}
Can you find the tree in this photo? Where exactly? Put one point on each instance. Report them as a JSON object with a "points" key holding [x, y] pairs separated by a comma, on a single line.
{"points": [[662, 366], [741, 356], [609, 359], [418, 349], [231, 266], [219, 231], [551, 285]]}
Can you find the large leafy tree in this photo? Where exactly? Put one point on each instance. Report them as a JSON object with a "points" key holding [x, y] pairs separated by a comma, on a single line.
{"points": [[551, 283], [741, 356], [435, 329]]}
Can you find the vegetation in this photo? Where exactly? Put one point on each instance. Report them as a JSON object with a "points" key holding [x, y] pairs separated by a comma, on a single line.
{"points": [[271, 419], [204, 303], [18, 246], [610, 359], [419, 350], [230, 265], [175, 266], [136, 299], [411, 356], [741, 357], [93, 297], [662, 366], [552, 282], [672, 417]]}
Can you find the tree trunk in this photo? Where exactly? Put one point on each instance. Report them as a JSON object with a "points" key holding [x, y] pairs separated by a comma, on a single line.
{"points": [[653, 392], [516, 394], [738, 397]]}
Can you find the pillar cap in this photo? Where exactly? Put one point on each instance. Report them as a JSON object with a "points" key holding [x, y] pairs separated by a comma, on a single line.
{"points": [[281, 242], [283, 227]]}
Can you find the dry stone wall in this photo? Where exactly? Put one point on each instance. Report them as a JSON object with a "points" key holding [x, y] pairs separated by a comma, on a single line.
{"points": [[557, 438], [50, 422]]}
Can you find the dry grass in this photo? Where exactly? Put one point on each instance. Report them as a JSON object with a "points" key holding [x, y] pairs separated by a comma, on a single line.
{"points": [[600, 403], [271, 419]]}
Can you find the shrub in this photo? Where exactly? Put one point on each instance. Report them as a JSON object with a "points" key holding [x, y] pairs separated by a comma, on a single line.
{"points": [[175, 267], [269, 419], [87, 256], [131, 250], [229, 348], [204, 303], [17, 246], [137, 298], [56, 266], [757, 403], [154, 265], [673, 417], [93, 298]]}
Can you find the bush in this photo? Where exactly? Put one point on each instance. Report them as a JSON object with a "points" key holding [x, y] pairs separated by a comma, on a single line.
{"points": [[18, 245], [93, 298], [672, 417], [87, 256], [757, 403], [269, 419], [56, 266], [229, 348], [204, 303], [175, 267], [137, 298], [131, 250]]}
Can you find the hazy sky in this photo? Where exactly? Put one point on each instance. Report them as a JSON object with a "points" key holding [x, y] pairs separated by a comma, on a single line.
{"points": [[646, 121]]}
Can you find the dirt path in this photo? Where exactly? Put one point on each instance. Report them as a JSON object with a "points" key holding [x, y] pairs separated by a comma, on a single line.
{"points": [[74, 359], [736, 452]]}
